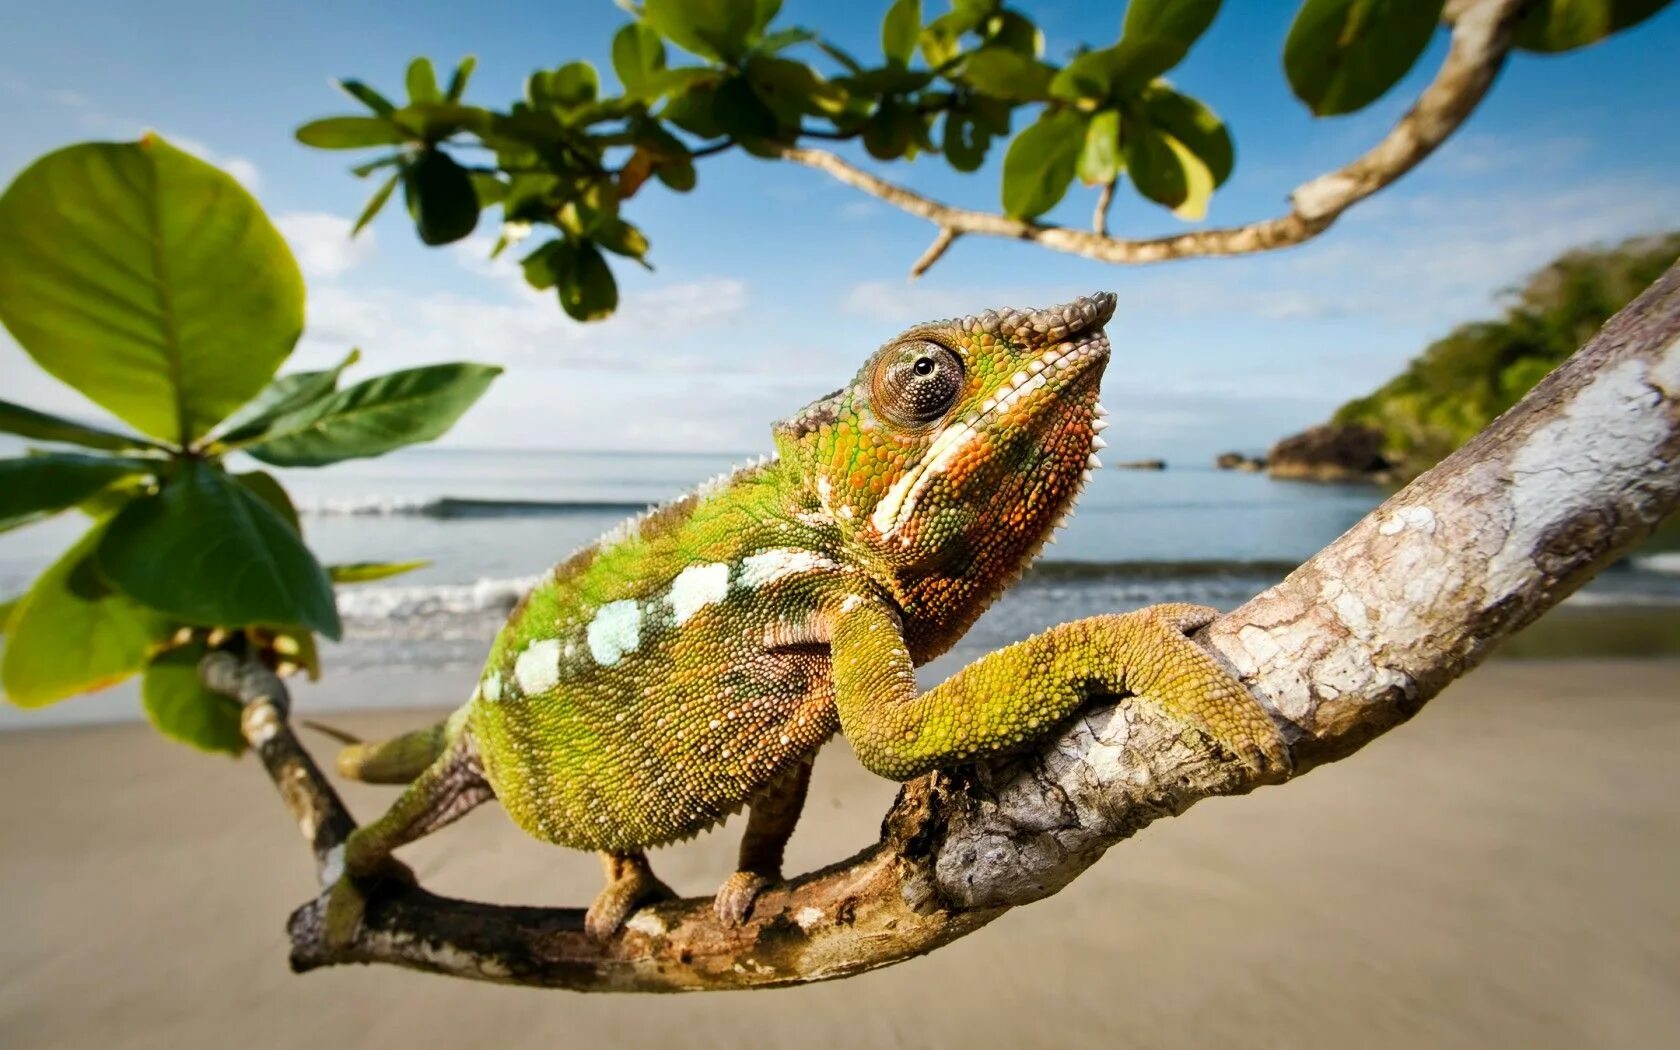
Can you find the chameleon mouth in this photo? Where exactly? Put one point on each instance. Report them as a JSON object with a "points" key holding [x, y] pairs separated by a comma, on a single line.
{"points": [[1062, 363]]}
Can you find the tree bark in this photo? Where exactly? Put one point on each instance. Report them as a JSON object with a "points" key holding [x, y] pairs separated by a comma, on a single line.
{"points": [[1351, 644]]}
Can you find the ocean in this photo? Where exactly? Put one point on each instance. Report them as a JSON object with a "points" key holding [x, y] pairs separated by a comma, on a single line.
{"points": [[490, 522]]}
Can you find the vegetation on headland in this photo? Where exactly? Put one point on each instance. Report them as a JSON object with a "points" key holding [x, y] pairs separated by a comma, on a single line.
{"points": [[1461, 382]]}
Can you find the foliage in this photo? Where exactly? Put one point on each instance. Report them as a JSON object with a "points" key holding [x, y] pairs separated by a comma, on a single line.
{"points": [[569, 155], [1463, 381], [154, 284]]}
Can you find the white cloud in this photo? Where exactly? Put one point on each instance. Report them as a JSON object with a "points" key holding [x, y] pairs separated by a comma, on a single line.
{"points": [[322, 243]]}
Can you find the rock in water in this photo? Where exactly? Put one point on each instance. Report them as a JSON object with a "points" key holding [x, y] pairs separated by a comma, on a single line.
{"points": [[1331, 452]]}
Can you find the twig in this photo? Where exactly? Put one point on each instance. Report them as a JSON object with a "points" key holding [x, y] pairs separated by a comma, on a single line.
{"points": [[1354, 642], [1105, 200], [1481, 40]]}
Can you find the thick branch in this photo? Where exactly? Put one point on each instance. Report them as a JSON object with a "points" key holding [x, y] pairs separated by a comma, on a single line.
{"points": [[1354, 642], [1481, 39]]}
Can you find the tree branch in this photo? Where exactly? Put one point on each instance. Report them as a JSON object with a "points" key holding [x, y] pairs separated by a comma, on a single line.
{"points": [[1481, 40], [1351, 644]]}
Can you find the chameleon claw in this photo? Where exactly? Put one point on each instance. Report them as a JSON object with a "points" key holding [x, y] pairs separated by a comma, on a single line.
{"points": [[733, 904]]}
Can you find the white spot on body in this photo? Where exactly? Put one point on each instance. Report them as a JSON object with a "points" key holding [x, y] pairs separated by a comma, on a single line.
{"points": [[697, 587], [778, 563], [538, 667], [491, 688], [615, 630]]}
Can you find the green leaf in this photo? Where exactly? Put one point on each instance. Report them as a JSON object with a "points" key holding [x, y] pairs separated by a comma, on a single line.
{"points": [[1089, 75], [1041, 162], [585, 282], [1015, 31], [36, 486], [210, 551], [440, 197], [147, 280], [1342, 55], [717, 29], [458, 81], [367, 97], [421, 81], [284, 394], [72, 633], [1563, 25], [792, 89], [350, 133], [740, 113], [264, 486], [1156, 36], [16, 419], [1194, 125], [1099, 157], [900, 30], [891, 132], [965, 141], [181, 708], [1007, 74], [375, 416], [637, 52], [1167, 172], [573, 84], [376, 203], [8, 608], [367, 571], [621, 238]]}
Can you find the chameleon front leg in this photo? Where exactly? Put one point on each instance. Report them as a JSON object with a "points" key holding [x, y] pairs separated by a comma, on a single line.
{"points": [[1017, 694], [630, 884], [770, 823]]}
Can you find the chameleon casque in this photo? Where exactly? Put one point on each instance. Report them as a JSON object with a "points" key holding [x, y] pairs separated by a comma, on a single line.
{"points": [[692, 662]]}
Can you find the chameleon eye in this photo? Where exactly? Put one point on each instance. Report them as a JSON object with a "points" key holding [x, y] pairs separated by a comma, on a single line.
{"points": [[915, 383]]}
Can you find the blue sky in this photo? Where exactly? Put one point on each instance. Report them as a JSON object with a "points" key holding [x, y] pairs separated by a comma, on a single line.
{"points": [[774, 282]]}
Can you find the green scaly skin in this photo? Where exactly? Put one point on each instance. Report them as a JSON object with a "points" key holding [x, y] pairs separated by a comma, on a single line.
{"points": [[692, 661]]}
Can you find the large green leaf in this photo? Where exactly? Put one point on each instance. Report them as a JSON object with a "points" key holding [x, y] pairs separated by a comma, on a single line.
{"points": [[211, 551], [1164, 170], [1194, 125], [35, 486], [637, 53], [1156, 36], [719, 29], [440, 198], [351, 133], [284, 394], [900, 29], [1041, 162], [1006, 74], [181, 708], [71, 632], [1563, 25], [1342, 55], [149, 281], [1099, 157], [584, 282], [374, 416], [26, 422]]}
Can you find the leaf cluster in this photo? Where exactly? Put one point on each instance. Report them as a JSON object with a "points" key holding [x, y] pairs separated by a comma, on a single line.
{"points": [[153, 284], [697, 78]]}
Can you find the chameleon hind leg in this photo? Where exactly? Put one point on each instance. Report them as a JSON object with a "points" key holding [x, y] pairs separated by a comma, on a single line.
{"points": [[770, 823], [445, 791], [630, 884], [1017, 694]]}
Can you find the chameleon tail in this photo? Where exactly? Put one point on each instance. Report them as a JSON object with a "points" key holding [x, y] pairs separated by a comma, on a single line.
{"points": [[395, 761]]}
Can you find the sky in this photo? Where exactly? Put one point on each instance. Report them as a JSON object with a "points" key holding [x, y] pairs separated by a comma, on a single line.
{"points": [[772, 283]]}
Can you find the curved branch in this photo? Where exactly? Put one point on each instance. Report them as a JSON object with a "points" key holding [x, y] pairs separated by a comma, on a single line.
{"points": [[1481, 40], [1352, 643]]}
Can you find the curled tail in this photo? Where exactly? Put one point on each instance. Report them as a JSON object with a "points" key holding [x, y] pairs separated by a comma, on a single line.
{"points": [[395, 761]]}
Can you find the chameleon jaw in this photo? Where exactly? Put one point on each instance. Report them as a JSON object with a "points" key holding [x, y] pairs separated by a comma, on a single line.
{"points": [[1065, 360]]}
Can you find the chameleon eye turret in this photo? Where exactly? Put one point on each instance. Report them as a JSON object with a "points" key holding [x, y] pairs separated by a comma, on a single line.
{"points": [[691, 662]]}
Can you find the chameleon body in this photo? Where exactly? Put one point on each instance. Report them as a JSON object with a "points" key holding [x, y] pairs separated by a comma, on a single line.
{"points": [[691, 662]]}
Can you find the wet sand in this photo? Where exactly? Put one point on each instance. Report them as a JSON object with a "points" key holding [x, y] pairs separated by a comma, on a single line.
{"points": [[1502, 871]]}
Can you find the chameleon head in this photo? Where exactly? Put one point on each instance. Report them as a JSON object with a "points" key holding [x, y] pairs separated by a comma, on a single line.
{"points": [[962, 443]]}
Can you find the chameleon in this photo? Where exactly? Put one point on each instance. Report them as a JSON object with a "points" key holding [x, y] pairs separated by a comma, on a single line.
{"points": [[690, 663]]}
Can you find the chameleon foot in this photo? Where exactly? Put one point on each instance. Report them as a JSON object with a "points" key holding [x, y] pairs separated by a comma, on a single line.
{"points": [[347, 901], [734, 901], [630, 884]]}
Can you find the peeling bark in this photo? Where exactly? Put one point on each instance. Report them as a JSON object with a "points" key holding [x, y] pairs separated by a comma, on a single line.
{"points": [[1351, 644]]}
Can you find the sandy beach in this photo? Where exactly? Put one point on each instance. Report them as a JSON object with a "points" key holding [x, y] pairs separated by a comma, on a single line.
{"points": [[1500, 872]]}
